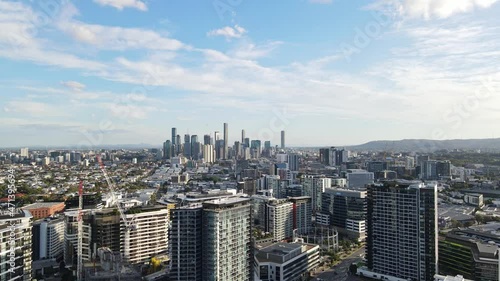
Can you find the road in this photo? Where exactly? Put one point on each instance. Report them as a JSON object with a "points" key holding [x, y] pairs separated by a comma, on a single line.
{"points": [[340, 272]]}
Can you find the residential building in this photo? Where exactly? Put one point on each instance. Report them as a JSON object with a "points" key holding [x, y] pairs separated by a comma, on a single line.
{"points": [[314, 186], [402, 230], [15, 244], [280, 219], [302, 214], [48, 238], [357, 178], [226, 240]]}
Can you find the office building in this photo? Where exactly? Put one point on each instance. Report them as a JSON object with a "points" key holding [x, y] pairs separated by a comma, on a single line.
{"points": [[226, 141], [227, 240], [174, 136], [357, 178], [207, 140], [285, 261], [402, 230], [187, 145], [293, 162], [178, 144], [302, 214], [167, 150], [242, 136], [247, 142], [332, 156], [346, 210], [42, 210], [468, 257], [48, 239], [15, 245], [282, 139]]}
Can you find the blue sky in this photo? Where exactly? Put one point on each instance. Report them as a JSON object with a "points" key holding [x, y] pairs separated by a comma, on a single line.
{"points": [[338, 72]]}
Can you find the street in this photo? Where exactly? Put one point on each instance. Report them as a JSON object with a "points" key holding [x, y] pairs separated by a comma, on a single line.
{"points": [[340, 272]]}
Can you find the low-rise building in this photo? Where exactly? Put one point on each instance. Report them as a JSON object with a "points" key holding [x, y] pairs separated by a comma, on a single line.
{"points": [[285, 261], [41, 210]]}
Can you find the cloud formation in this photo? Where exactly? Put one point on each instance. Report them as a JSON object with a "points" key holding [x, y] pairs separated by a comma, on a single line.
{"points": [[121, 4], [228, 32]]}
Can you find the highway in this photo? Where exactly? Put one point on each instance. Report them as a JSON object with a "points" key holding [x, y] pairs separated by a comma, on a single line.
{"points": [[340, 272]]}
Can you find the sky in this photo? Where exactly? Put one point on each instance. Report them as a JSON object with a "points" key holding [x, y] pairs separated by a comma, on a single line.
{"points": [[328, 72]]}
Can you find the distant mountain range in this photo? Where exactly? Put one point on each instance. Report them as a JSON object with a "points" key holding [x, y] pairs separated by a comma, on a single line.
{"points": [[423, 145]]}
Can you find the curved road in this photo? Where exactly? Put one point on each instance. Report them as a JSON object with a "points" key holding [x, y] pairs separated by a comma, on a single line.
{"points": [[340, 272]]}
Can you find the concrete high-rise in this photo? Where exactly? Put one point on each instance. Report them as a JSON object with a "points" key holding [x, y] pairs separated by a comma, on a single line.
{"points": [[187, 145], [282, 139], [227, 239], [174, 136], [15, 258], [293, 162], [48, 238], [242, 136], [302, 214], [402, 230], [226, 141]]}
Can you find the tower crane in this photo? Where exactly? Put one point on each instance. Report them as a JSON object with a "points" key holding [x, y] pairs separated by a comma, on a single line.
{"points": [[79, 269]]}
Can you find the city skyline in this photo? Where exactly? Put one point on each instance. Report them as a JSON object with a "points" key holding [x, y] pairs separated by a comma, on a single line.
{"points": [[378, 70]]}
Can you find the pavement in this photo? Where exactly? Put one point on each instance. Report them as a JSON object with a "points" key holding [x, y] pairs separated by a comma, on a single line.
{"points": [[340, 272]]}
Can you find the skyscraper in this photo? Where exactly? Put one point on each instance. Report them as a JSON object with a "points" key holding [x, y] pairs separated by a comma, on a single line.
{"points": [[226, 141], [174, 136], [302, 214], [216, 136], [226, 239], [207, 139], [402, 230], [282, 139], [293, 162], [167, 150], [242, 136], [187, 145]]}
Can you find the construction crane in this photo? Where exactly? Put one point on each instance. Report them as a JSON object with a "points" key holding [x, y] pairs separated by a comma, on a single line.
{"points": [[129, 225], [79, 269]]}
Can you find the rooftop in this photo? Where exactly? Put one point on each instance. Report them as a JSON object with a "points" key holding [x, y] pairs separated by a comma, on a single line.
{"points": [[38, 205]]}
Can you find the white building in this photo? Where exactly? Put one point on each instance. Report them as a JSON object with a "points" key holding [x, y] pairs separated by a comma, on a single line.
{"points": [[24, 152], [15, 245], [280, 219], [148, 234], [208, 153], [285, 261], [48, 238]]}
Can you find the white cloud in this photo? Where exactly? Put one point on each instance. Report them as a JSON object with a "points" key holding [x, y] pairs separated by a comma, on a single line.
{"points": [[252, 51], [228, 32], [118, 38], [428, 9], [36, 109], [121, 4], [73, 85]]}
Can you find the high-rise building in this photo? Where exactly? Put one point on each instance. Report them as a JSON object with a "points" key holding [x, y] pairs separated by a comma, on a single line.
{"points": [[302, 214], [185, 237], [187, 145], [207, 139], [71, 238], [247, 142], [280, 219], [332, 156], [293, 162], [24, 152], [242, 136], [208, 153], [219, 149], [357, 178], [346, 210], [178, 144], [174, 136], [216, 135], [167, 149], [314, 186], [226, 141], [15, 245], [48, 238], [402, 230], [282, 139], [148, 235], [227, 240]]}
